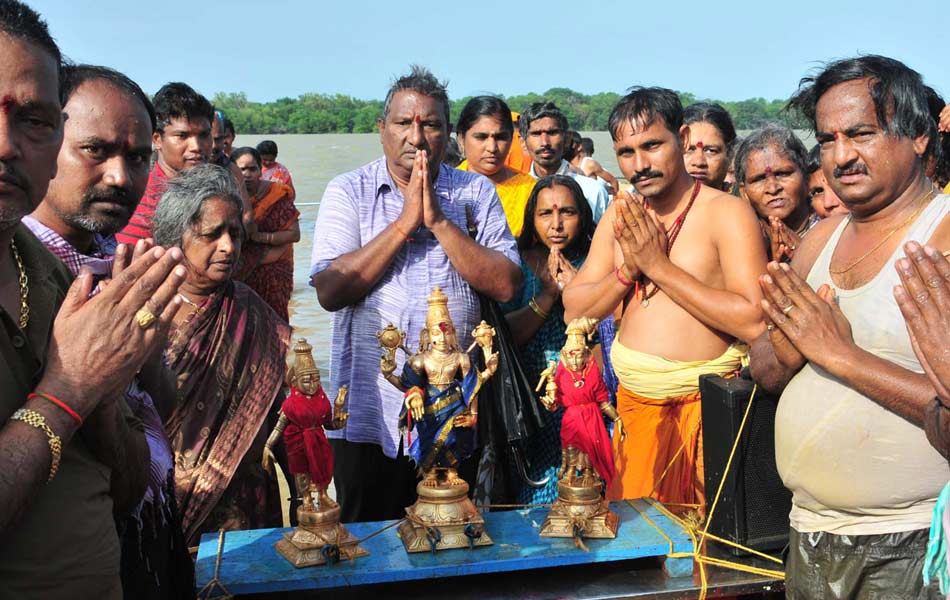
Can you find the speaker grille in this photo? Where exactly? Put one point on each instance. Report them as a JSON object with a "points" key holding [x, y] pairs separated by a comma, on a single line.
{"points": [[754, 505]]}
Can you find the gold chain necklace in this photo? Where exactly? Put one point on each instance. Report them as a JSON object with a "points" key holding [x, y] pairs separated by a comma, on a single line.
{"points": [[24, 287], [923, 203]]}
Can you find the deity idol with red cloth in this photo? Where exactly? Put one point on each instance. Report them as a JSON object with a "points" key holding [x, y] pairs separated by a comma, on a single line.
{"points": [[576, 384], [303, 417]]}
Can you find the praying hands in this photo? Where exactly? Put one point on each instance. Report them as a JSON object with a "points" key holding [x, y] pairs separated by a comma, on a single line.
{"points": [[924, 300], [803, 325], [641, 236]]}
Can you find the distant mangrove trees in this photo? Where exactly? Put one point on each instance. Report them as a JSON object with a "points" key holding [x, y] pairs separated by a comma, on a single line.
{"points": [[323, 113]]}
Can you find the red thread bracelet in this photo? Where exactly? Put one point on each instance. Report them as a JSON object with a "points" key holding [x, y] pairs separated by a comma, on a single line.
{"points": [[59, 403], [620, 277], [402, 233]]}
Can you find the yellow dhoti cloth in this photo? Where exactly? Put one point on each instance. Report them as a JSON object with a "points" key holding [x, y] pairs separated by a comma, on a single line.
{"points": [[658, 400]]}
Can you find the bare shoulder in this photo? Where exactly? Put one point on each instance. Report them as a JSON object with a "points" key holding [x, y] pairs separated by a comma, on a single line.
{"points": [[729, 212], [813, 243]]}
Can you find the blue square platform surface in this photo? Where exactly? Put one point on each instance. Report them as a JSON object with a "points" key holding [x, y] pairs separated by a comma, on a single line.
{"points": [[251, 564]]}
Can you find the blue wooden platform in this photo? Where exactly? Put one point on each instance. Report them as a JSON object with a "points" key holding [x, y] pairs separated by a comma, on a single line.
{"points": [[250, 564]]}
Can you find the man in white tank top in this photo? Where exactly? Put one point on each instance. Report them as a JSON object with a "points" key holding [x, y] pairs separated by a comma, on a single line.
{"points": [[849, 442]]}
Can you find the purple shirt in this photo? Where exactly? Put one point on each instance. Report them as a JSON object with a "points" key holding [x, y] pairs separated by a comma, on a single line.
{"points": [[356, 207]]}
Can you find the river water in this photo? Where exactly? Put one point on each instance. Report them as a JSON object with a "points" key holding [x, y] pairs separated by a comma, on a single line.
{"points": [[313, 161]]}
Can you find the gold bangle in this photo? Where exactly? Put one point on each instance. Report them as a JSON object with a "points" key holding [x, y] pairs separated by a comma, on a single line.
{"points": [[533, 305], [35, 419]]}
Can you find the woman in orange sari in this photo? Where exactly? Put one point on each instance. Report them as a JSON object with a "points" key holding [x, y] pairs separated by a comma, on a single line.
{"points": [[485, 131], [267, 261]]}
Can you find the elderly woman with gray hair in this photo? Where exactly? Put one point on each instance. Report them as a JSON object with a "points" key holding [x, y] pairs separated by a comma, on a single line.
{"points": [[228, 348], [771, 174]]}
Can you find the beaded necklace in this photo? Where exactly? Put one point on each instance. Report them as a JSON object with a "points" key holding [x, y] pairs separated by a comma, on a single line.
{"points": [[674, 233]]}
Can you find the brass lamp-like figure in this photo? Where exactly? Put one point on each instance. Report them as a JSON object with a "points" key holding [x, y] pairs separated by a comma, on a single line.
{"points": [[586, 454], [441, 406], [319, 537]]}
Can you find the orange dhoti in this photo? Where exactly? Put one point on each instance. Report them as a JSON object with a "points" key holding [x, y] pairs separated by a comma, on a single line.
{"points": [[657, 431], [659, 402]]}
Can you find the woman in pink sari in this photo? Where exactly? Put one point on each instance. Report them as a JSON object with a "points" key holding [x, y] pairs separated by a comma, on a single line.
{"points": [[228, 348]]}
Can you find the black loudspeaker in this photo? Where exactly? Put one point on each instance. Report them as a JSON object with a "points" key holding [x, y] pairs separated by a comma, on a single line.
{"points": [[754, 505]]}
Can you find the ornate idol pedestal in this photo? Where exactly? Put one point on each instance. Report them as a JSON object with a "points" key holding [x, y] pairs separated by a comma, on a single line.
{"points": [[316, 530], [443, 517], [580, 512]]}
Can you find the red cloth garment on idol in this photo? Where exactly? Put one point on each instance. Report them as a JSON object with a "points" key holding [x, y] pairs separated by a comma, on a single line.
{"points": [[582, 425], [308, 450]]}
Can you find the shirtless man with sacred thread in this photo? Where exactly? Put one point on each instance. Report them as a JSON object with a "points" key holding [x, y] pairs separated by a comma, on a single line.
{"points": [[683, 260]]}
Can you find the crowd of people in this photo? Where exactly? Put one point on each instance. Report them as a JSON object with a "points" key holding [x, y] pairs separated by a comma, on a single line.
{"points": [[146, 266]]}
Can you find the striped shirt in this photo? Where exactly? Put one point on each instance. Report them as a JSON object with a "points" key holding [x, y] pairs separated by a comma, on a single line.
{"points": [[356, 207], [140, 225]]}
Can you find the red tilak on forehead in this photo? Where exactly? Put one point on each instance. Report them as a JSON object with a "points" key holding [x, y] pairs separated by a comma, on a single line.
{"points": [[418, 119], [700, 145], [768, 170], [555, 206], [444, 326], [7, 103]]}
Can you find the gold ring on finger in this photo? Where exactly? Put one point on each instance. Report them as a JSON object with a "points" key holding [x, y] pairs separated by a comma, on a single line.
{"points": [[770, 328], [934, 282], [144, 318], [788, 308]]}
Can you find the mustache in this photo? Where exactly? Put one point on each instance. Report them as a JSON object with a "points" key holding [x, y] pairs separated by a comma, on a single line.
{"points": [[646, 175], [113, 195], [853, 168], [10, 174]]}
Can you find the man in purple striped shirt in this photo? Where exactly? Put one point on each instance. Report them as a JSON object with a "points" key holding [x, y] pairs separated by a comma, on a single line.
{"points": [[387, 233]]}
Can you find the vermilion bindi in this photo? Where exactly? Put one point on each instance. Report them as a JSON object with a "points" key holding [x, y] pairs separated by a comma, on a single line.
{"points": [[418, 120], [700, 145], [768, 171], [7, 103], [555, 206]]}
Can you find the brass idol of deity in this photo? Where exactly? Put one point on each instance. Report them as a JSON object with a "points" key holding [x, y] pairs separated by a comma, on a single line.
{"points": [[575, 383], [319, 537], [440, 410]]}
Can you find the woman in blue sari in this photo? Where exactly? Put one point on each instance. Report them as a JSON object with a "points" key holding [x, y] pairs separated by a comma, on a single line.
{"points": [[558, 227]]}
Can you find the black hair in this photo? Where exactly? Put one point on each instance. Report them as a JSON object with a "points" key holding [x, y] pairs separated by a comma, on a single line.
{"points": [[643, 105], [484, 106], [814, 159], [268, 147], [573, 139], [587, 146], [76, 75], [776, 135], [229, 127], [178, 100], [580, 245], [22, 22], [940, 157], [540, 110], [898, 93], [715, 115], [236, 154], [453, 153], [420, 80]]}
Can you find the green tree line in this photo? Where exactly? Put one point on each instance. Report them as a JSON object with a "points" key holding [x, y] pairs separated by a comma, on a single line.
{"points": [[324, 113]]}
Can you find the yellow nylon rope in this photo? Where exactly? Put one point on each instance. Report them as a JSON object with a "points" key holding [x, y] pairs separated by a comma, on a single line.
{"points": [[696, 554]]}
